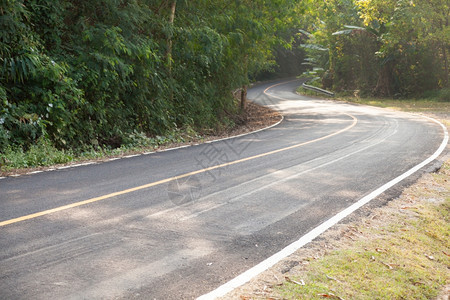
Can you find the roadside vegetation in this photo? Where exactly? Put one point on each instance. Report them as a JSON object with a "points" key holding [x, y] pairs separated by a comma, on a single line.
{"points": [[436, 105], [43, 154], [399, 252], [383, 48]]}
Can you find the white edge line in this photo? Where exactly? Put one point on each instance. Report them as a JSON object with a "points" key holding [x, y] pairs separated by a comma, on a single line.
{"points": [[63, 167], [84, 164], [310, 236], [247, 133], [174, 148], [147, 153]]}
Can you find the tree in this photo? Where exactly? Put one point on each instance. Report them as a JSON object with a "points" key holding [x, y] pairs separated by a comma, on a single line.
{"points": [[96, 73], [404, 43]]}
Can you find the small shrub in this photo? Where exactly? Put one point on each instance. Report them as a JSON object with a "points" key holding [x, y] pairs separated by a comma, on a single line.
{"points": [[42, 153]]}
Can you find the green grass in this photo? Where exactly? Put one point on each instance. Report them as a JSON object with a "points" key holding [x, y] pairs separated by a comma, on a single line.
{"points": [[406, 258], [40, 154], [44, 154], [408, 105]]}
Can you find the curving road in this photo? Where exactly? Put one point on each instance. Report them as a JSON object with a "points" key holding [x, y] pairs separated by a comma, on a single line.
{"points": [[178, 224]]}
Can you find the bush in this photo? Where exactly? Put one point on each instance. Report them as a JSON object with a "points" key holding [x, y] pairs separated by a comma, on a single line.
{"points": [[40, 154]]}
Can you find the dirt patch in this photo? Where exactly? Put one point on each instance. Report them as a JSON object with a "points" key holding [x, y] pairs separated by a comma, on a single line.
{"points": [[255, 117]]}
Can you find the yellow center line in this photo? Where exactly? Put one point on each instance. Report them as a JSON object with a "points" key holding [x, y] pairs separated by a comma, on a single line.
{"points": [[145, 186]]}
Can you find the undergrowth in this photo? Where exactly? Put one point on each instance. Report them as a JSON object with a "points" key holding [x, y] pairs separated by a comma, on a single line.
{"points": [[44, 154]]}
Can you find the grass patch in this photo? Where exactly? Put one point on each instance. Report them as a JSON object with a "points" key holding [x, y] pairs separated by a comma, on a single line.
{"points": [[404, 258], [40, 154], [408, 105], [434, 102], [44, 154]]}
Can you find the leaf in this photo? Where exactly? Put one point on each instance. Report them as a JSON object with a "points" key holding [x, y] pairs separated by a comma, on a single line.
{"points": [[347, 31], [390, 267], [301, 282], [332, 278], [354, 27], [304, 32], [314, 47], [330, 295]]}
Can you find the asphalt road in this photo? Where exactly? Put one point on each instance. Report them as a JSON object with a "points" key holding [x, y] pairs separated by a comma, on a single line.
{"points": [[145, 233]]}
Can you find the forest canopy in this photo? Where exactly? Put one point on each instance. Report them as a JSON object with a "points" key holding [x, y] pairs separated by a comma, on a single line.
{"points": [[380, 47], [95, 73]]}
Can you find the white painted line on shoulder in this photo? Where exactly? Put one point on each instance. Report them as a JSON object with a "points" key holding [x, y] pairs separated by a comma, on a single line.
{"points": [[174, 148], [247, 133], [77, 165], [64, 167], [310, 236]]}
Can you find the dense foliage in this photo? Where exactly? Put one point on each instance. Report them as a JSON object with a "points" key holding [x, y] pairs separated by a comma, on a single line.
{"points": [[380, 47], [99, 72], [80, 74]]}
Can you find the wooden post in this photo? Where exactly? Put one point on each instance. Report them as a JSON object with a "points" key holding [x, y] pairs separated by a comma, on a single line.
{"points": [[244, 87], [243, 97]]}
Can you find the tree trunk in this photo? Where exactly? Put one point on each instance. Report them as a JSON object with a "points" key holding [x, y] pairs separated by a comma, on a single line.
{"points": [[169, 46], [169, 39], [243, 97], [244, 87], [444, 54], [383, 87]]}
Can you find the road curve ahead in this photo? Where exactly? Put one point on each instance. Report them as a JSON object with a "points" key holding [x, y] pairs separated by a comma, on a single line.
{"points": [[178, 224]]}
